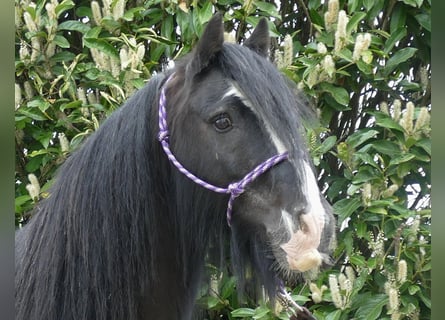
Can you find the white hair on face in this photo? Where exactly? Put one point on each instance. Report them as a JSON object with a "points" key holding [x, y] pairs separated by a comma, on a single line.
{"points": [[234, 91]]}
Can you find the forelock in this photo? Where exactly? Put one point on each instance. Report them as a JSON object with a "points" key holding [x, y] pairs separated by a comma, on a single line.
{"points": [[267, 90]]}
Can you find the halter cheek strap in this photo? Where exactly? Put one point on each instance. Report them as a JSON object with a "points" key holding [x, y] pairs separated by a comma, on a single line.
{"points": [[234, 189]]}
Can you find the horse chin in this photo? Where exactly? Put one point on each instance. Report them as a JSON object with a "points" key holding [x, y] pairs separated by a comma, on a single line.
{"points": [[305, 266]]}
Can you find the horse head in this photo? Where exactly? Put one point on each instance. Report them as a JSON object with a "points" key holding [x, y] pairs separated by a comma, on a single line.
{"points": [[228, 110]]}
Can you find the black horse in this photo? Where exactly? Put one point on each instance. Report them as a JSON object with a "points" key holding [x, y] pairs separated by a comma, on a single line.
{"points": [[124, 234]]}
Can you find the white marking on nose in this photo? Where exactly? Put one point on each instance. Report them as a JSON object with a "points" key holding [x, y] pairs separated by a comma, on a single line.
{"points": [[234, 91], [302, 249], [287, 220]]}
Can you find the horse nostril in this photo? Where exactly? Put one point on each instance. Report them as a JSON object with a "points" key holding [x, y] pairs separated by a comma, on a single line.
{"points": [[303, 226]]}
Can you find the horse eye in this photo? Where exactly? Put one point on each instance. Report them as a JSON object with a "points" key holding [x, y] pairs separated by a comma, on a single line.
{"points": [[222, 122]]}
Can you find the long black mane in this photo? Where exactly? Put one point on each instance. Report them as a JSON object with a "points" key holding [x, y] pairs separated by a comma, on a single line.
{"points": [[97, 225], [95, 248]]}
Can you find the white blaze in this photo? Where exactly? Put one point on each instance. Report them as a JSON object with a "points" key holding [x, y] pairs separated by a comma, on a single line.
{"points": [[315, 207], [234, 91]]}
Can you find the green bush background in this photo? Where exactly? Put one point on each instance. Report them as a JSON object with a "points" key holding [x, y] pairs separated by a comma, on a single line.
{"points": [[372, 147]]}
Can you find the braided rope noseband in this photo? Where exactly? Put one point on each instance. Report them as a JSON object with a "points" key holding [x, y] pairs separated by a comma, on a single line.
{"points": [[235, 188]]}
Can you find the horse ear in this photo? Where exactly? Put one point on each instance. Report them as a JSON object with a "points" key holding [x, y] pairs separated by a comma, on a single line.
{"points": [[259, 41], [208, 46]]}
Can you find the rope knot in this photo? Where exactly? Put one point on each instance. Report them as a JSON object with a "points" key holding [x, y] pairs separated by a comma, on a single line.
{"points": [[163, 135], [235, 189]]}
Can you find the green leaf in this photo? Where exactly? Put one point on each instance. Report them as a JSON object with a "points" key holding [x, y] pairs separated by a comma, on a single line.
{"points": [[354, 21], [365, 174], [368, 4], [346, 207], [243, 312], [261, 312], [327, 144], [409, 85], [211, 302], [372, 263], [361, 230], [36, 153], [371, 308], [333, 104], [19, 201], [389, 124], [426, 300], [399, 57], [71, 105], [404, 169], [357, 260], [61, 41], [84, 12], [340, 94], [110, 24], [63, 56], [167, 26], [101, 45], [228, 287], [352, 189], [138, 83], [92, 74], [314, 4], [336, 188], [40, 103], [64, 6], [93, 32], [359, 283], [398, 18], [316, 17], [424, 20], [413, 3], [419, 155], [404, 158], [366, 159], [205, 13], [269, 8], [34, 114], [395, 37], [364, 67], [413, 289], [34, 164], [386, 147], [336, 315], [357, 138], [130, 14], [43, 137], [73, 25], [377, 210], [425, 144]]}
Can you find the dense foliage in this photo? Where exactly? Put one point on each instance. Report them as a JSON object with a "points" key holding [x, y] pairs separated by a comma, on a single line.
{"points": [[364, 64]]}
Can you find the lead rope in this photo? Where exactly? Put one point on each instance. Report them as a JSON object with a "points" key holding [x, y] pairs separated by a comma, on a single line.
{"points": [[288, 303]]}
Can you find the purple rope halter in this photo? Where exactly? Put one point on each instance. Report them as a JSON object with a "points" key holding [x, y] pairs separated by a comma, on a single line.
{"points": [[235, 188]]}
